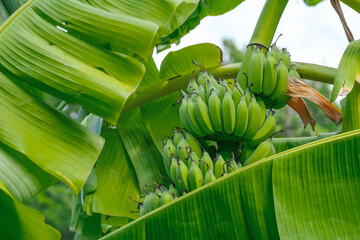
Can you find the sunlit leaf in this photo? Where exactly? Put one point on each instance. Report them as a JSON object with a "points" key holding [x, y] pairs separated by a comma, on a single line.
{"points": [[116, 179], [179, 62], [19, 222], [46, 136], [23, 178], [144, 155], [279, 196]]}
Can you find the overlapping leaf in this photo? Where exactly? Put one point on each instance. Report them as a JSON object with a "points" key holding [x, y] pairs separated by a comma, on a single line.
{"points": [[18, 222], [275, 198], [46, 136], [116, 180]]}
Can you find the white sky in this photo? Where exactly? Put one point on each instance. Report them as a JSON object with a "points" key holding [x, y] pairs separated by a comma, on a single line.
{"points": [[311, 34]]}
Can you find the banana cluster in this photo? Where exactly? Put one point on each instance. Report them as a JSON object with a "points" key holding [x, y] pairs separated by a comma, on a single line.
{"points": [[213, 110], [268, 75], [189, 167]]}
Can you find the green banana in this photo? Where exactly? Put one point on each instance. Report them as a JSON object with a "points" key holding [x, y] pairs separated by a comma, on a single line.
{"points": [[285, 56], [203, 116], [282, 81], [272, 151], [209, 88], [232, 166], [182, 114], [241, 118], [173, 168], [147, 207], [293, 72], [228, 113], [214, 82], [266, 131], [193, 143], [165, 198], [192, 87], [182, 150], [173, 191], [263, 109], [169, 149], [178, 134], [256, 71], [142, 210], [193, 157], [154, 201], [260, 152], [222, 90], [191, 118], [220, 166], [254, 122], [244, 68], [202, 77], [202, 93], [182, 172], [275, 52], [196, 178], [237, 93], [269, 80], [215, 111], [206, 162], [209, 176], [247, 96]]}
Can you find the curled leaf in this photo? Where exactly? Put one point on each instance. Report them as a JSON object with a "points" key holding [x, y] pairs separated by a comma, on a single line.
{"points": [[298, 89], [299, 105]]}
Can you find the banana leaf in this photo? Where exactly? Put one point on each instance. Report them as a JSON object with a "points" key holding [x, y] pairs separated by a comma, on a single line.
{"points": [[19, 222], [45, 136], [22, 177], [308, 192], [116, 180]]}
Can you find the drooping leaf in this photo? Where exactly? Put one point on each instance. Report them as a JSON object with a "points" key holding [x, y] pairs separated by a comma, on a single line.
{"points": [[160, 117], [179, 62], [204, 8], [276, 197], [19, 222], [46, 137], [144, 155], [167, 14], [42, 40], [23, 178], [347, 72], [83, 224], [116, 179]]}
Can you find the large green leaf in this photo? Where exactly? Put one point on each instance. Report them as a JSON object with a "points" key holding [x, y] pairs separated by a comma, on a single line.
{"points": [[19, 222], [63, 54], [179, 62], [167, 14], [144, 155], [160, 117], [116, 179], [305, 193], [46, 137], [23, 178], [204, 8]]}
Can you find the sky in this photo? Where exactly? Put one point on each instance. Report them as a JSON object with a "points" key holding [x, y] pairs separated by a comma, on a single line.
{"points": [[311, 34]]}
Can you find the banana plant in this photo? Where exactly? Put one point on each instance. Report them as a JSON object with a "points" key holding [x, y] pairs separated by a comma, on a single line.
{"points": [[97, 54]]}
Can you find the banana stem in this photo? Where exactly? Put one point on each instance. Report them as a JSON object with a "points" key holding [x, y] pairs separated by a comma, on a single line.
{"points": [[263, 33], [308, 71], [316, 72], [268, 22]]}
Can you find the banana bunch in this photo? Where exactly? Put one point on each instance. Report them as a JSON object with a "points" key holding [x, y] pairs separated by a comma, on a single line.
{"points": [[214, 110], [268, 75], [190, 166]]}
